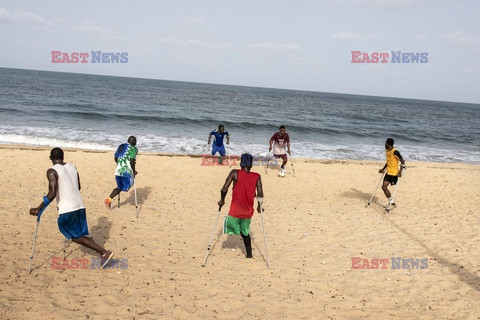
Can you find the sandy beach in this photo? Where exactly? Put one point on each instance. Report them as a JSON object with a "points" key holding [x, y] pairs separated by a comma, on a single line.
{"points": [[316, 222]]}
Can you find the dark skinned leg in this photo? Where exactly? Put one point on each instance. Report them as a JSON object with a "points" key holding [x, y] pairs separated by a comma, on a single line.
{"points": [[114, 193], [385, 189], [89, 243], [222, 156], [248, 244]]}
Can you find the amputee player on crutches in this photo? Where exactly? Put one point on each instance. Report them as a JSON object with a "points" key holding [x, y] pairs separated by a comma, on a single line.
{"points": [[246, 185], [281, 145], [125, 158], [64, 184], [218, 145], [393, 172]]}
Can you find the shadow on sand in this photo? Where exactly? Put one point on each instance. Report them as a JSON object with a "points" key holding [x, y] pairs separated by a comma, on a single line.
{"points": [[100, 234], [463, 274], [142, 195], [234, 242]]}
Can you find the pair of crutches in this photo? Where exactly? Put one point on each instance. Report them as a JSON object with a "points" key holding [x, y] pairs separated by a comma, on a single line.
{"points": [[209, 246], [65, 245], [387, 208], [35, 238], [35, 241]]}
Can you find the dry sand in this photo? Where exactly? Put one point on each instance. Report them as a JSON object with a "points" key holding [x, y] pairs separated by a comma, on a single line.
{"points": [[315, 223]]}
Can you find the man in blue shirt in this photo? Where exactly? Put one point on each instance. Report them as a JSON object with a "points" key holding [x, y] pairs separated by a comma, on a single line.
{"points": [[218, 146]]}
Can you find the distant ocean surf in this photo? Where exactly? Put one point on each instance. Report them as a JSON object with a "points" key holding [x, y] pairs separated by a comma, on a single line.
{"points": [[100, 112]]}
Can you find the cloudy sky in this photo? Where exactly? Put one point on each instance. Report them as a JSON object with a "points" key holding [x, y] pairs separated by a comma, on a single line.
{"points": [[303, 44]]}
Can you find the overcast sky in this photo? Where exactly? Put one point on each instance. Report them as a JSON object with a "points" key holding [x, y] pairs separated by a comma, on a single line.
{"points": [[303, 45]]}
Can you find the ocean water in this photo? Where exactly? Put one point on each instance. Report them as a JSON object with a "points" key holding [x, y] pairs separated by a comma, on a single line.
{"points": [[100, 112]]}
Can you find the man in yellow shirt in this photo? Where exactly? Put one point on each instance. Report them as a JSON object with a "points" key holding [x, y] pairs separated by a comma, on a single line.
{"points": [[392, 167]]}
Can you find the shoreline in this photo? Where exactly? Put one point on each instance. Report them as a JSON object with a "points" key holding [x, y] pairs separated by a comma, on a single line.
{"points": [[164, 154]]}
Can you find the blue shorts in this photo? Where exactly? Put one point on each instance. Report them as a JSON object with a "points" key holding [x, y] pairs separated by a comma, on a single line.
{"points": [[216, 149], [73, 224], [124, 183]]}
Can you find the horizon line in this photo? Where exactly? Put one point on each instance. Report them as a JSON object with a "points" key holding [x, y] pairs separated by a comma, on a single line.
{"points": [[244, 86]]}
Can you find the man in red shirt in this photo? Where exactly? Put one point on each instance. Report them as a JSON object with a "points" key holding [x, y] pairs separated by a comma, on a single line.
{"points": [[245, 183], [282, 145]]}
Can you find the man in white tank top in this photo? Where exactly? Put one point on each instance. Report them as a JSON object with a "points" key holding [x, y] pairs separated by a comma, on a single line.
{"points": [[64, 185]]}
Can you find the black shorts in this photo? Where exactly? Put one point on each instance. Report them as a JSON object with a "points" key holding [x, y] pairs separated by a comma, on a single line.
{"points": [[392, 179]]}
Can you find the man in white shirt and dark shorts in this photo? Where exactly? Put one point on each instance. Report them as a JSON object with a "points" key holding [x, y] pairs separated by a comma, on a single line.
{"points": [[64, 184]]}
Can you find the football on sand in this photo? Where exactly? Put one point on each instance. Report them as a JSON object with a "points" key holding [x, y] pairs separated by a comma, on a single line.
{"points": [[282, 173]]}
